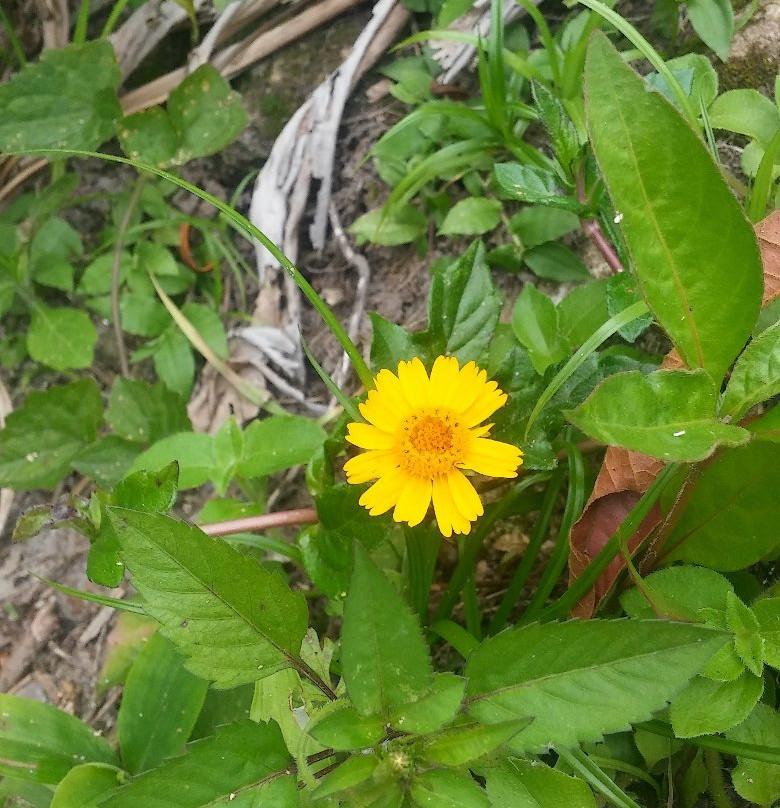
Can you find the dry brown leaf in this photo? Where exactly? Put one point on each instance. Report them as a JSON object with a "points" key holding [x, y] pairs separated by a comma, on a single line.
{"points": [[768, 232]]}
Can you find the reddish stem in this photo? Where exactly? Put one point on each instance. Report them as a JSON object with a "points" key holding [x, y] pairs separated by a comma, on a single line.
{"points": [[592, 229], [252, 524]]}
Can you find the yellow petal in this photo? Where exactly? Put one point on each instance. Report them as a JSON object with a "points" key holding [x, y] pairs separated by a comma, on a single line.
{"points": [[471, 382], [369, 466], [492, 457], [444, 380], [464, 496], [448, 516], [384, 493], [488, 401], [367, 436], [414, 383], [377, 411], [389, 391], [414, 501]]}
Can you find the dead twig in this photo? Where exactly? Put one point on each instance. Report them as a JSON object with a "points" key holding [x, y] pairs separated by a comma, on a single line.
{"points": [[257, 524]]}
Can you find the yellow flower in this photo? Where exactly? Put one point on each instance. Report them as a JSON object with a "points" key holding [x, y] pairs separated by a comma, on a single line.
{"points": [[420, 433]]}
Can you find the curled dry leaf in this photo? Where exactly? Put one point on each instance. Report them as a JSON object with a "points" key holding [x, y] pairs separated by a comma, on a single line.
{"points": [[626, 475]]}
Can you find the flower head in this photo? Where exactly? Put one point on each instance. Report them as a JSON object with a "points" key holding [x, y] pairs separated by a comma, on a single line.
{"points": [[421, 432]]}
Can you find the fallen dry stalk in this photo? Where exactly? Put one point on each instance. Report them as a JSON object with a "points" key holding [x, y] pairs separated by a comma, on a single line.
{"points": [[256, 524]]}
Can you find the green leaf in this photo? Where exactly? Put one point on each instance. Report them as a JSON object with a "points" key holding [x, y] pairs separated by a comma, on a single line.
{"points": [[65, 101], [244, 765], [160, 704], [237, 623], [471, 217], [400, 225], [43, 436], [535, 323], [447, 788], [203, 116], [208, 324], [622, 292], [654, 165], [731, 498], [747, 641], [536, 225], [463, 306], [467, 742], [151, 492], [434, 710], [582, 680], [39, 742], [193, 451], [582, 312], [279, 442], [144, 412], [527, 183], [713, 21], [390, 343], [756, 375], [378, 678], [530, 784], [346, 729], [746, 112], [754, 780], [563, 133], [108, 460], [61, 338], [353, 771], [767, 612], [555, 262], [173, 362], [83, 785], [706, 706], [666, 414]]}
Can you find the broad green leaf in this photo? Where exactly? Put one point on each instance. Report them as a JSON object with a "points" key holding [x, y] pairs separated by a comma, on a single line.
{"points": [[353, 771], [563, 133], [555, 262], [47, 432], [748, 642], [379, 679], [144, 412], [104, 565], [582, 680], [622, 292], [767, 426], [222, 707], [535, 323], [51, 250], [536, 225], [468, 742], [713, 21], [753, 780], [83, 785], [706, 706], [463, 306], [234, 621], [667, 414], [756, 375], [273, 699], [400, 225], [193, 451], [151, 492], [208, 324], [279, 442], [582, 312], [61, 338], [434, 710], [767, 612], [447, 788], [747, 112], [107, 460], [471, 217], [729, 522], [65, 101], [149, 136], [41, 743], [244, 765], [679, 593], [128, 638], [530, 784], [527, 183], [346, 729], [173, 361], [390, 343], [160, 704], [654, 166]]}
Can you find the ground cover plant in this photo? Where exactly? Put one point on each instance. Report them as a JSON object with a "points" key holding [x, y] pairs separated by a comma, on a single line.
{"points": [[632, 658]]}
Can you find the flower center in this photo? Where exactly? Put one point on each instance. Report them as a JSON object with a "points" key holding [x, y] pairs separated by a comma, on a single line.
{"points": [[432, 443]]}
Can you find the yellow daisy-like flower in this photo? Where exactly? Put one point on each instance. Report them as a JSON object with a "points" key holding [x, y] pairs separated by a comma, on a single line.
{"points": [[420, 433]]}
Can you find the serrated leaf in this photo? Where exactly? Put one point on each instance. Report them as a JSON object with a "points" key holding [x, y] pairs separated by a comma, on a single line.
{"points": [[690, 284], [756, 374], [144, 412], [65, 101], [47, 432], [463, 306], [447, 788], [353, 771], [279, 442], [244, 765], [531, 784], [747, 641], [390, 343], [706, 706], [754, 780], [767, 612], [378, 678], [472, 216], [582, 680], [346, 729], [41, 743], [83, 785], [234, 621], [464, 743], [667, 414], [160, 704], [434, 710], [151, 492], [706, 529], [61, 338], [526, 183]]}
